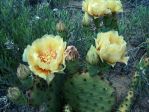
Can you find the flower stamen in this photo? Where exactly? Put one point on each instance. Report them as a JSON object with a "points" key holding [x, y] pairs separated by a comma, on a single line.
{"points": [[47, 56]]}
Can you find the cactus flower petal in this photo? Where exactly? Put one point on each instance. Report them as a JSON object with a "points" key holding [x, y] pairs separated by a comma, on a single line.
{"points": [[111, 47], [46, 56], [99, 8]]}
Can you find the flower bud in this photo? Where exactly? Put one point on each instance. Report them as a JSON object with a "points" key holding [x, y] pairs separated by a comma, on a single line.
{"points": [[92, 56], [146, 61], [86, 19], [60, 26], [13, 93], [67, 108], [23, 72], [71, 53]]}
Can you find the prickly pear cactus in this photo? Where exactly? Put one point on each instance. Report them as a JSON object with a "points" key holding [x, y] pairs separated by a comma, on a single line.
{"points": [[89, 94], [48, 94], [41, 93], [125, 106], [110, 22]]}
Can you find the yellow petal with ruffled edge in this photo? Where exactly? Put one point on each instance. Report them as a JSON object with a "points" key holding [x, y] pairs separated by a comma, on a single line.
{"points": [[96, 8], [111, 47], [115, 5], [46, 56]]}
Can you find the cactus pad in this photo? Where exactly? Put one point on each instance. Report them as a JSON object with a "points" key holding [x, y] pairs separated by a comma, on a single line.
{"points": [[125, 106], [89, 94], [50, 95], [128, 101]]}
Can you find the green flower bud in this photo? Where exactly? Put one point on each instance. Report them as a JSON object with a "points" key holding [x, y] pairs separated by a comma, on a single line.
{"points": [[60, 27], [23, 72], [67, 108], [92, 56], [13, 93], [86, 19]]}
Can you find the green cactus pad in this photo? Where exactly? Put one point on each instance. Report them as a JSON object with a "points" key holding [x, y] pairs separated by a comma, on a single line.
{"points": [[126, 104], [135, 81], [49, 94], [89, 94]]}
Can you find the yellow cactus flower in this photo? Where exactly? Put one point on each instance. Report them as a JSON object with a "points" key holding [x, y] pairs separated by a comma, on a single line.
{"points": [[111, 47], [115, 5], [96, 7], [46, 56], [92, 56], [99, 8]]}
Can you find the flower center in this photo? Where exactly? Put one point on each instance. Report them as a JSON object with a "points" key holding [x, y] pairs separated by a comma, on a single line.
{"points": [[47, 56]]}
